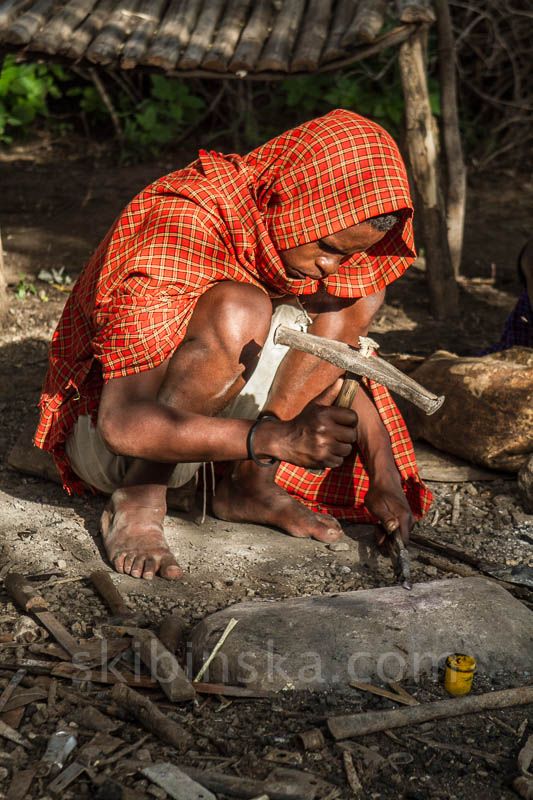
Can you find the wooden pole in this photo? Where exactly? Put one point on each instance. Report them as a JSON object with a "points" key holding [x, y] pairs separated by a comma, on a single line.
{"points": [[422, 144], [451, 137], [354, 725], [3, 283]]}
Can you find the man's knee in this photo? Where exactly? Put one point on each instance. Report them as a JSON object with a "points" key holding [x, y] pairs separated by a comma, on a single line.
{"points": [[233, 314]]}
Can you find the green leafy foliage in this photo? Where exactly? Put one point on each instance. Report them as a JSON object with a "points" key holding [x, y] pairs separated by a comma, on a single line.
{"points": [[156, 109], [25, 288], [311, 95], [25, 90], [169, 107]]}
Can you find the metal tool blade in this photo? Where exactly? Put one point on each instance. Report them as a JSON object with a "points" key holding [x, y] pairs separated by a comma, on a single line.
{"points": [[176, 783], [350, 359]]}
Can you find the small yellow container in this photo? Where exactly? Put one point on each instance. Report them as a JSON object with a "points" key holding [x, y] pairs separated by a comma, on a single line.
{"points": [[459, 674]]}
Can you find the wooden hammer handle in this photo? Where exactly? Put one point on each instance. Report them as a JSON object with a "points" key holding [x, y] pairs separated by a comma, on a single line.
{"points": [[349, 388], [23, 593], [102, 582]]}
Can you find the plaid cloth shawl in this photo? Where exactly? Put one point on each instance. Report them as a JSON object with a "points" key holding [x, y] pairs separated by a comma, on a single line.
{"points": [[225, 217]]}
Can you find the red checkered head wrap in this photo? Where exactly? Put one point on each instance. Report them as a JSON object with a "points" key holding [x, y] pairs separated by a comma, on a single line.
{"points": [[312, 181], [326, 175]]}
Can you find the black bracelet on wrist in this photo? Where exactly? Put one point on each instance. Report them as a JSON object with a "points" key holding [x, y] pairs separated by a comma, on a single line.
{"points": [[250, 443]]}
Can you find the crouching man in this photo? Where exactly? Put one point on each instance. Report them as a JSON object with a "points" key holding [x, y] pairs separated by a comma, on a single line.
{"points": [[163, 357]]}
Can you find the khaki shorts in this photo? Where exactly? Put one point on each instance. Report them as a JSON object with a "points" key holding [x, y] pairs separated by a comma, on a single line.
{"points": [[97, 466]]}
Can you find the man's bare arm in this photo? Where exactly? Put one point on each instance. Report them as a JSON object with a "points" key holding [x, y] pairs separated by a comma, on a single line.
{"points": [[135, 423]]}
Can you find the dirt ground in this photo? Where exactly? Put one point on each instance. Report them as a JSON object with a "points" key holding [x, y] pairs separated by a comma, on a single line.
{"points": [[54, 207]]}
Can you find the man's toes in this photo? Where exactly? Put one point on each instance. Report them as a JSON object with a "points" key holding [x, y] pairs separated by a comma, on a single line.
{"points": [[118, 562], [138, 566], [300, 533], [329, 530], [170, 569], [129, 559], [150, 568]]}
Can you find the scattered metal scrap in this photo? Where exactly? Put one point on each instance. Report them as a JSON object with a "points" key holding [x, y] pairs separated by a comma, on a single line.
{"points": [[103, 713]]}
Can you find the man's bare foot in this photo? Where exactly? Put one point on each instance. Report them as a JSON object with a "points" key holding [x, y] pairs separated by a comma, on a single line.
{"points": [[248, 495], [132, 529]]}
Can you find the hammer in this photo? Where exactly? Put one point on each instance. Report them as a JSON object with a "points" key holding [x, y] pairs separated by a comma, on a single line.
{"points": [[360, 363]]}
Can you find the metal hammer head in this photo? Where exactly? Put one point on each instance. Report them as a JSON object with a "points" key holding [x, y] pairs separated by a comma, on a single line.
{"points": [[350, 359]]}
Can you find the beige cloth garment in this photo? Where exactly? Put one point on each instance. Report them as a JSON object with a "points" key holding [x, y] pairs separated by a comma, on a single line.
{"points": [[97, 466]]}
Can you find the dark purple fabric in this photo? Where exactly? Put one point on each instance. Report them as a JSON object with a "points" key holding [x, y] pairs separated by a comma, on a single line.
{"points": [[518, 330]]}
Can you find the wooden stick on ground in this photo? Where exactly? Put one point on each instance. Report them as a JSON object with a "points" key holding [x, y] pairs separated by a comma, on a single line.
{"points": [[151, 718], [7, 732], [351, 725], [396, 697], [164, 667], [103, 583], [468, 564], [10, 688], [351, 774], [229, 627]]}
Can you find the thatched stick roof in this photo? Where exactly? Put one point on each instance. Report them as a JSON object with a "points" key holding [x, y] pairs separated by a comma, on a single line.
{"points": [[243, 38]]}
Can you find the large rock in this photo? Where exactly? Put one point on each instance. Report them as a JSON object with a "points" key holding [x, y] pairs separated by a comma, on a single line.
{"points": [[487, 417], [374, 634]]}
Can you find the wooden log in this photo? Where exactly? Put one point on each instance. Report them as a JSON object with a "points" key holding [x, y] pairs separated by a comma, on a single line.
{"points": [[423, 158], [137, 45], [391, 39], [173, 34], [353, 725], [85, 33], [276, 55], [3, 284], [107, 46], [62, 25], [387, 40], [342, 20], [451, 136], [253, 37], [366, 24], [233, 21], [202, 35], [151, 718], [313, 35], [411, 11], [25, 27], [9, 8]]}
